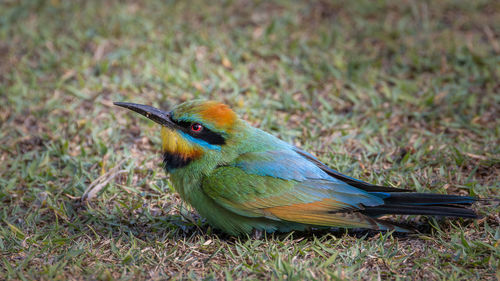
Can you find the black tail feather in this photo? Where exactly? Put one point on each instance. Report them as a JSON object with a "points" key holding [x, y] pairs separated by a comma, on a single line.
{"points": [[396, 209], [428, 199], [399, 201], [429, 204]]}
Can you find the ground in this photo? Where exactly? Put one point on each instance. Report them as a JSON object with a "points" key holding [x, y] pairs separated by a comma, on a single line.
{"points": [[401, 93]]}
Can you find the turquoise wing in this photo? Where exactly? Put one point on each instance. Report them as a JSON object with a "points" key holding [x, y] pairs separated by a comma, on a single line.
{"points": [[282, 185]]}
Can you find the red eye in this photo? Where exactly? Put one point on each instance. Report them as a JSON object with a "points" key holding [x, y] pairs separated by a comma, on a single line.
{"points": [[196, 127]]}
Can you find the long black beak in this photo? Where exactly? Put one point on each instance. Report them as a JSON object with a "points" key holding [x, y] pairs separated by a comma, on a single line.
{"points": [[159, 116]]}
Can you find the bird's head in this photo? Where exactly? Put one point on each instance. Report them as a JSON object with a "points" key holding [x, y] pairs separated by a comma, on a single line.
{"points": [[192, 130]]}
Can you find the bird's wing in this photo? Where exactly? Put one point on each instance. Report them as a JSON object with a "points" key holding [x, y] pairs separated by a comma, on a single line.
{"points": [[282, 185], [351, 181]]}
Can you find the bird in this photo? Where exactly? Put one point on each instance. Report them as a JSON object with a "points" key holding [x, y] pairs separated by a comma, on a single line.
{"points": [[243, 180]]}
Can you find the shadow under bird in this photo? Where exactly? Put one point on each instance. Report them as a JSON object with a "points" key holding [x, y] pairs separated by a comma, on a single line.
{"points": [[242, 179]]}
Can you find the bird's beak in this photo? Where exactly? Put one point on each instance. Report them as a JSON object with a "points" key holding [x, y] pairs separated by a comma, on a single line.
{"points": [[159, 116]]}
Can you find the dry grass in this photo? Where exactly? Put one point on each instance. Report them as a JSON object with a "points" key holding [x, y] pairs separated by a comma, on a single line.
{"points": [[402, 93]]}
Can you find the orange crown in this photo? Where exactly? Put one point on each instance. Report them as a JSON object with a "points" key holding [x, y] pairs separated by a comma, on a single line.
{"points": [[218, 113]]}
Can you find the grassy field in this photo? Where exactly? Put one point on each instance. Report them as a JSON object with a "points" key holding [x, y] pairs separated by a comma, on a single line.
{"points": [[402, 93]]}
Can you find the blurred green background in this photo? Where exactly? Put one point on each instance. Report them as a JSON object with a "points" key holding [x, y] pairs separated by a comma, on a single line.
{"points": [[404, 93]]}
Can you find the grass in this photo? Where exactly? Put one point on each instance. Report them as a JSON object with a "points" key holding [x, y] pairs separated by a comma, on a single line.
{"points": [[404, 93]]}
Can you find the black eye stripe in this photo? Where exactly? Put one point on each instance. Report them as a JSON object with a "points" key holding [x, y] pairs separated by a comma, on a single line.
{"points": [[207, 135], [182, 124]]}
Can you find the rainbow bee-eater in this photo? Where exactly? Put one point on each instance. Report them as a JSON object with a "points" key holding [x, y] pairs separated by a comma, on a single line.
{"points": [[242, 179]]}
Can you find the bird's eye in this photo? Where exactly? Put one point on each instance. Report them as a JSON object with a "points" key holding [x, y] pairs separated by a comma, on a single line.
{"points": [[196, 127]]}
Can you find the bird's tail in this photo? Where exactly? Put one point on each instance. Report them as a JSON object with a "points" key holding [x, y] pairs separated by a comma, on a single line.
{"points": [[403, 203]]}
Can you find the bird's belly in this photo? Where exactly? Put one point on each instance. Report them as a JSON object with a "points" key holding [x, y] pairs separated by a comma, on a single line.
{"points": [[189, 188]]}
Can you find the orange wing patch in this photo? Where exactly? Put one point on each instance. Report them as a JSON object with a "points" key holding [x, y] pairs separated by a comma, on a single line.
{"points": [[319, 213], [218, 113]]}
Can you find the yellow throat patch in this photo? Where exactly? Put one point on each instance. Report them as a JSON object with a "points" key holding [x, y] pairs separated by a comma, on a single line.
{"points": [[174, 143]]}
